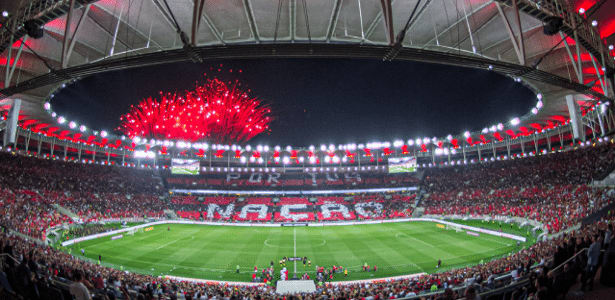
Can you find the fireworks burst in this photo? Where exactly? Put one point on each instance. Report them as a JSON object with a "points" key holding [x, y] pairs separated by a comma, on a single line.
{"points": [[215, 111]]}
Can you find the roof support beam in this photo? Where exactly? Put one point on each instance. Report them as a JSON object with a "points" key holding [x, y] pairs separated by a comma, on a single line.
{"points": [[66, 40], [335, 13], [517, 43], [508, 39], [578, 50], [477, 9], [8, 58], [137, 31], [105, 30], [166, 17], [66, 53], [250, 16], [477, 30], [600, 78], [292, 19], [197, 11], [465, 13], [387, 13], [203, 15], [117, 29], [520, 30], [10, 69], [419, 14], [372, 26], [59, 37], [572, 62], [511, 34]]}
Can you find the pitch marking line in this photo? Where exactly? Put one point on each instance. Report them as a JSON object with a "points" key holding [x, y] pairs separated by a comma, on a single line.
{"points": [[267, 243], [166, 244], [398, 235]]}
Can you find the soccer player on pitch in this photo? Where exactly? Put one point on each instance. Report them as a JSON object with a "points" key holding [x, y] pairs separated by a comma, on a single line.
{"points": [[439, 264]]}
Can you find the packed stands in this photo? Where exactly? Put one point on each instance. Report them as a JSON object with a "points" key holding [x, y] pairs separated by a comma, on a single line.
{"points": [[281, 181], [553, 189], [557, 207], [373, 206]]}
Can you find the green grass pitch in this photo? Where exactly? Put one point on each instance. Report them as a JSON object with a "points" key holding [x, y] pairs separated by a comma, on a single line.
{"points": [[212, 252]]}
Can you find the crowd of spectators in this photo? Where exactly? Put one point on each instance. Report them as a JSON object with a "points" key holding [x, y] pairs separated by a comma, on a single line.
{"points": [[374, 206], [29, 173], [29, 213], [556, 207], [291, 180], [579, 166], [552, 189]]}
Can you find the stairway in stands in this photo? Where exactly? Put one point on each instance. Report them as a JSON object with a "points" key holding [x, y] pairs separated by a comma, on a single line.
{"points": [[417, 211], [65, 211]]}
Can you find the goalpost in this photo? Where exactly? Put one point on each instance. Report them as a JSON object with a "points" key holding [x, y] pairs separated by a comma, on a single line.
{"points": [[452, 227], [134, 230]]}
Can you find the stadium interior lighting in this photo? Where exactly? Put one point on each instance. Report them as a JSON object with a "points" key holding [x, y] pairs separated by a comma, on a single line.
{"points": [[466, 134], [534, 110], [449, 137], [515, 121], [539, 104], [594, 23], [611, 47], [72, 124], [47, 106], [410, 142], [5, 13], [82, 128], [104, 134], [61, 120]]}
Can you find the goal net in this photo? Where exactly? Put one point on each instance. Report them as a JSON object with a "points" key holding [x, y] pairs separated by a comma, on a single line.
{"points": [[453, 227], [132, 231]]}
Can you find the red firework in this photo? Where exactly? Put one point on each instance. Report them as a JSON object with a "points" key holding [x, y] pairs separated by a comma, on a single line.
{"points": [[215, 111]]}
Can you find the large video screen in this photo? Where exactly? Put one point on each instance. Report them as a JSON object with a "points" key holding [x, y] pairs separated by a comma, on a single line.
{"points": [[402, 164], [185, 166]]}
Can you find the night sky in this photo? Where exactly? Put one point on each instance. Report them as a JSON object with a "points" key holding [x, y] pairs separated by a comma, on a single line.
{"points": [[321, 101]]}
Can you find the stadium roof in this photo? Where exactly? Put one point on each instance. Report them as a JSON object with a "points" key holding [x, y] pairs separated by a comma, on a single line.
{"points": [[109, 35]]}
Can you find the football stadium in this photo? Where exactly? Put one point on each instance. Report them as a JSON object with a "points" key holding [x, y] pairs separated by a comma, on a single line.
{"points": [[307, 149]]}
